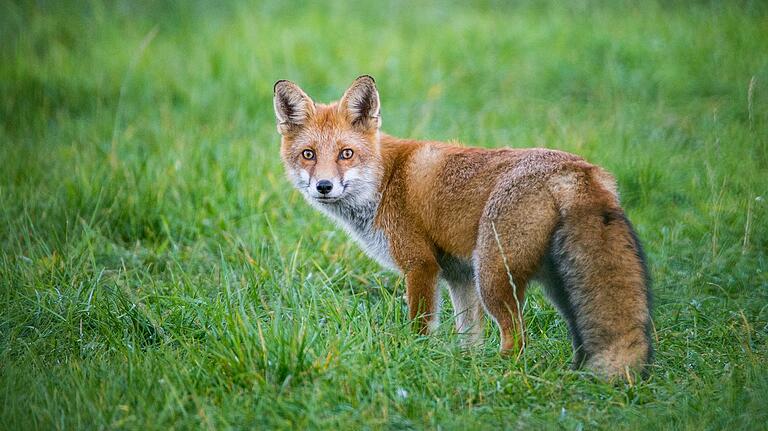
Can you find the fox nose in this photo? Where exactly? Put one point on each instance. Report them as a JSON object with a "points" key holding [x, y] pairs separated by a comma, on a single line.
{"points": [[324, 186]]}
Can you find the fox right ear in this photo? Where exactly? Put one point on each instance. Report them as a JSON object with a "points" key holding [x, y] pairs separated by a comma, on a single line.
{"points": [[361, 102], [292, 106]]}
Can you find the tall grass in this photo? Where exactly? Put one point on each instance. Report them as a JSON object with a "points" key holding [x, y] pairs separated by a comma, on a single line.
{"points": [[157, 271]]}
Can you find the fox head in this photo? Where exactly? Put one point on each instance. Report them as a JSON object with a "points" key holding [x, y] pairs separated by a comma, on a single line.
{"points": [[331, 152]]}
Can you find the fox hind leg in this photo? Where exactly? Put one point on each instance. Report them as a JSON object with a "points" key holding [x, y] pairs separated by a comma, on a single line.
{"points": [[512, 238], [503, 294]]}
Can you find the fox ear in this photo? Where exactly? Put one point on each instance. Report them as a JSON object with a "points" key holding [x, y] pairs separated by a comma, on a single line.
{"points": [[292, 106], [361, 101]]}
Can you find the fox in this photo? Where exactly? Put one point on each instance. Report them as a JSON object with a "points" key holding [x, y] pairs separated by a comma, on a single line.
{"points": [[485, 221]]}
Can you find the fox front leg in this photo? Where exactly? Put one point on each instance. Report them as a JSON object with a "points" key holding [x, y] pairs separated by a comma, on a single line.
{"points": [[422, 295]]}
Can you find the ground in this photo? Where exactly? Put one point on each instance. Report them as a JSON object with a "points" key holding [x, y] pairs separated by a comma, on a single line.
{"points": [[157, 270]]}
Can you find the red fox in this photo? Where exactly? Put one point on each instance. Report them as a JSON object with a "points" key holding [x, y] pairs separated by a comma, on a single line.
{"points": [[485, 221]]}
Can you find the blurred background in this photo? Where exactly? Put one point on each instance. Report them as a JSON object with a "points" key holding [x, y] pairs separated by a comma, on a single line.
{"points": [[149, 233]]}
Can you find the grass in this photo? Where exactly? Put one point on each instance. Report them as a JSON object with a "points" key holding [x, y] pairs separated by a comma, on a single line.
{"points": [[156, 270]]}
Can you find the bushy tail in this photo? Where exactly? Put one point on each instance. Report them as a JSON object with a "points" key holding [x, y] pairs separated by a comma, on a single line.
{"points": [[599, 281]]}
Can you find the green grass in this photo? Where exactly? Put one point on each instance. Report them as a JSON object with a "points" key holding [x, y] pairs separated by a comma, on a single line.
{"points": [[157, 271]]}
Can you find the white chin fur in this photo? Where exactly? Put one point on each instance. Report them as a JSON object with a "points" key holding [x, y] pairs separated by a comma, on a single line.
{"points": [[355, 206]]}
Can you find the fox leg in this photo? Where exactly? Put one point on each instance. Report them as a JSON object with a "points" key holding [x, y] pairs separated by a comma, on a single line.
{"points": [[422, 294], [416, 258], [503, 294], [513, 236], [468, 311], [467, 308]]}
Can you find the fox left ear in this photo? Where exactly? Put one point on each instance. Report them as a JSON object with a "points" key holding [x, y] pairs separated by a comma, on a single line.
{"points": [[292, 106], [361, 101]]}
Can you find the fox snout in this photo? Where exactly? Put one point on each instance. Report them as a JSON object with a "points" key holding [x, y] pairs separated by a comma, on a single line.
{"points": [[325, 189]]}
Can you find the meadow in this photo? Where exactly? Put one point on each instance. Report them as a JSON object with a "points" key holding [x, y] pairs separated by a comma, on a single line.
{"points": [[157, 271]]}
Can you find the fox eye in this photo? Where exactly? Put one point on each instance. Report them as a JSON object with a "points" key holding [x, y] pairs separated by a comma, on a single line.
{"points": [[308, 154], [346, 154]]}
